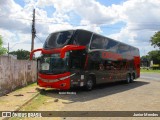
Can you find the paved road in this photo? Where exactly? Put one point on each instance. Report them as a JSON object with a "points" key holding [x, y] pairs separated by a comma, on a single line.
{"points": [[141, 95], [150, 76]]}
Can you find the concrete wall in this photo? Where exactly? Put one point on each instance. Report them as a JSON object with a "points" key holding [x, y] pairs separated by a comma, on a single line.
{"points": [[15, 73]]}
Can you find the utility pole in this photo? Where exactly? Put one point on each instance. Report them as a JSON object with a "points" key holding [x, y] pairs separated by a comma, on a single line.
{"points": [[8, 49], [33, 30]]}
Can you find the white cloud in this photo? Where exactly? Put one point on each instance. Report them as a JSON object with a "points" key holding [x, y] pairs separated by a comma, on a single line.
{"points": [[15, 24], [141, 18], [124, 36], [141, 11], [6, 6], [96, 13], [89, 10]]}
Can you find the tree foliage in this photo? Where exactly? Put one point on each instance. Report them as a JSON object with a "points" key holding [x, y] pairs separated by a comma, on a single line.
{"points": [[2, 49], [21, 54], [155, 56], [155, 39], [145, 57], [152, 56]]}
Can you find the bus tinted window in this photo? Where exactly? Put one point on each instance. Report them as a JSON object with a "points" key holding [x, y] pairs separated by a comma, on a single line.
{"points": [[111, 44], [98, 42], [58, 39], [122, 48], [62, 37], [82, 37], [134, 51]]}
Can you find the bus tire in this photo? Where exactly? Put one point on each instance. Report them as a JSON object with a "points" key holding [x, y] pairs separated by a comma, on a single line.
{"points": [[128, 79], [132, 78], [89, 84]]}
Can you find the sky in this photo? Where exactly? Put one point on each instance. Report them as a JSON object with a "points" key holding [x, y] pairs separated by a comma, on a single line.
{"points": [[129, 21]]}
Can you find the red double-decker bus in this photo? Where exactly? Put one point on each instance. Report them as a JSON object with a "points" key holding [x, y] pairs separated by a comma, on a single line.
{"points": [[82, 58]]}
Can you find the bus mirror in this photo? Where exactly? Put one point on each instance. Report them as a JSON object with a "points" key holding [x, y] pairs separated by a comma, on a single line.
{"points": [[38, 59], [70, 47], [38, 64], [33, 51]]}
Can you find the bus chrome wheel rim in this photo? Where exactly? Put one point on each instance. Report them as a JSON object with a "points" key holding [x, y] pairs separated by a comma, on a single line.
{"points": [[89, 84], [128, 79], [132, 78]]}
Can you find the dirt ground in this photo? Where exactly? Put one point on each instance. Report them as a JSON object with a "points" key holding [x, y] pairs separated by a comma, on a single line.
{"points": [[14, 100]]}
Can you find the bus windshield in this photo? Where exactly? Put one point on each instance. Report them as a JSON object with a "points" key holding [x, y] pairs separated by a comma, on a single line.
{"points": [[58, 39], [53, 64]]}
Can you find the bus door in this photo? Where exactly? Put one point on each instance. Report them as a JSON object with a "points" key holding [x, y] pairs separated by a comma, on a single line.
{"points": [[77, 61]]}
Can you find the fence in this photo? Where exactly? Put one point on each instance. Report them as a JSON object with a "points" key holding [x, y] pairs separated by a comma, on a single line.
{"points": [[15, 73]]}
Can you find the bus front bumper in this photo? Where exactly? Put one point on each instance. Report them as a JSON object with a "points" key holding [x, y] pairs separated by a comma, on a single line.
{"points": [[59, 81]]}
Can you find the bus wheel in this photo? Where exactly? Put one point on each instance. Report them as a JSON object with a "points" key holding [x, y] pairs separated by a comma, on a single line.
{"points": [[132, 78], [128, 79], [89, 84]]}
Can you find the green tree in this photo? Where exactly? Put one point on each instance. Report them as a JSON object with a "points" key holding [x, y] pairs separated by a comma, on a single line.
{"points": [[21, 54], [155, 56], [2, 49], [155, 39], [145, 57]]}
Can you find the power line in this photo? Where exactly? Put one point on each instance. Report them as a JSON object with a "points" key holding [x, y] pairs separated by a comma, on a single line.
{"points": [[39, 39], [150, 24], [15, 18], [11, 47], [52, 21]]}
